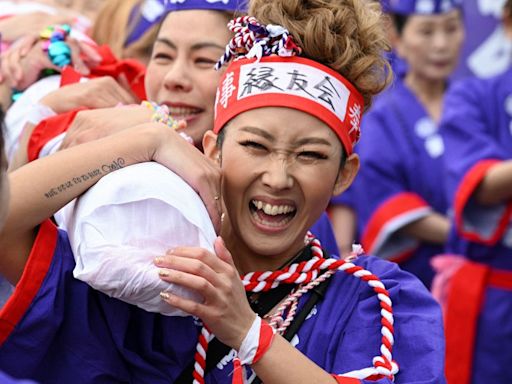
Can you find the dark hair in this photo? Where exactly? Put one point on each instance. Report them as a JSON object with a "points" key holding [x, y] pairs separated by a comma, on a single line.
{"points": [[399, 22]]}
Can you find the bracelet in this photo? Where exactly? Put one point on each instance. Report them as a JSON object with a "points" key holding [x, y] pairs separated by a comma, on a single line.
{"points": [[160, 114], [255, 344], [54, 44]]}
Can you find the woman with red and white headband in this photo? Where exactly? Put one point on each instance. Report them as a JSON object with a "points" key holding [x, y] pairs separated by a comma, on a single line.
{"points": [[287, 117]]}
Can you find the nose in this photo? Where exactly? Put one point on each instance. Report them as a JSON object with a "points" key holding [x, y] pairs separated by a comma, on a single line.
{"points": [[440, 40], [277, 175], [177, 78]]}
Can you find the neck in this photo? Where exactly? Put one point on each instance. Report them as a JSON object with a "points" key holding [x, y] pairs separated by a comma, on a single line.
{"points": [[430, 93], [246, 260]]}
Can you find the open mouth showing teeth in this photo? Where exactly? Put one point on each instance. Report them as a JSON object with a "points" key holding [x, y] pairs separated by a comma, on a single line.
{"points": [[271, 215], [180, 113]]}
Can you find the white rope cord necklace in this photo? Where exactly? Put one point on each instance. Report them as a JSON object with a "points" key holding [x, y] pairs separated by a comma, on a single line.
{"points": [[311, 273]]}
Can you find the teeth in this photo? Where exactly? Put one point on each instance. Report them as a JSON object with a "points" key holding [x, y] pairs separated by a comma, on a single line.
{"points": [[273, 210], [271, 223], [182, 111]]}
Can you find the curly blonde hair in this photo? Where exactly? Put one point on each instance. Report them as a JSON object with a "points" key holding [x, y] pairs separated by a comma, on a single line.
{"points": [[345, 35]]}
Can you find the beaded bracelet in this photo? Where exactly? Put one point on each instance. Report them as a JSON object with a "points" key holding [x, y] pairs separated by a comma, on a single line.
{"points": [[55, 45], [161, 115]]}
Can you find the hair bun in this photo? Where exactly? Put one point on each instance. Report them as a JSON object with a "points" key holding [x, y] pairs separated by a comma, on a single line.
{"points": [[346, 35]]}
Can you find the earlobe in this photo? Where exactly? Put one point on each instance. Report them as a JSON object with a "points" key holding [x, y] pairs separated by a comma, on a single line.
{"points": [[347, 174], [211, 150]]}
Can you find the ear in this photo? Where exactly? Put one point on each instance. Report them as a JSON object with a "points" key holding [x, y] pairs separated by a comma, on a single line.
{"points": [[210, 146], [347, 174]]}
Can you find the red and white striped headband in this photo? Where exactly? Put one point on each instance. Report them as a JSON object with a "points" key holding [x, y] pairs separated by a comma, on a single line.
{"points": [[293, 82]]}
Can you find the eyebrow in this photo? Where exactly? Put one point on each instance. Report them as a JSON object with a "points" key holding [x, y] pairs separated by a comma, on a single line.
{"points": [[194, 47], [259, 131], [269, 137], [313, 140]]}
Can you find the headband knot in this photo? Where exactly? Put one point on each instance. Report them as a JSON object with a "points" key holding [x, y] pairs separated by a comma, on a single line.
{"points": [[255, 40]]}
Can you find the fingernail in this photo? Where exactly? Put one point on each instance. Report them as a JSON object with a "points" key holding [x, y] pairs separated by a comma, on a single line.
{"points": [[163, 272], [158, 260], [165, 295]]}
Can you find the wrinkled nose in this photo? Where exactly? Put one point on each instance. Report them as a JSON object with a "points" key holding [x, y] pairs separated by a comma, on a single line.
{"points": [[277, 174]]}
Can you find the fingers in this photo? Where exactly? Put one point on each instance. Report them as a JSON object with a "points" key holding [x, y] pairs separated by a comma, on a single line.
{"points": [[209, 191], [222, 251], [188, 306], [91, 57], [113, 92], [193, 260], [177, 265], [27, 43], [125, 85], [21, 68], [76, 60], [11, 69], [202, 174], [190, 268], [182, 124]]}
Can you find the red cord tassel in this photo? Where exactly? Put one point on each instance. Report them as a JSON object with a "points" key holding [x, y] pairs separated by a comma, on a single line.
{"points": [[238, 372]]}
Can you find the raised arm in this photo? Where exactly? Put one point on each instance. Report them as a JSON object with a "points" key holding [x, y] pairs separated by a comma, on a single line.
{"points": [[44, 186]]}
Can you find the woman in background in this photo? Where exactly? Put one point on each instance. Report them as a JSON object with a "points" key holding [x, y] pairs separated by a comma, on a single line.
{"points": [[401, 202], [476, 287]]}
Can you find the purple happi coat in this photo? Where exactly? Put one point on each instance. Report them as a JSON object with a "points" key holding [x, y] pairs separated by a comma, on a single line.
{"points": [[56, 329], [477, 129], [400, 179]]}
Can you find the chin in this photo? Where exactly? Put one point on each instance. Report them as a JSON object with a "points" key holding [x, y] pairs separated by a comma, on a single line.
{"points": [[270, 246], [197, 130]]}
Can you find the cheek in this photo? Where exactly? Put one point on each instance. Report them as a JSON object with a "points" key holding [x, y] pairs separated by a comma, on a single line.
{"points": [[317, 193], [458, 40], [236, 175], [208, 85], [153, 80]]}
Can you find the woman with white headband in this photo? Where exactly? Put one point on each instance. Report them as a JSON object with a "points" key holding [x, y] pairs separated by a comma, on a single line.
{"points": [[284, 131]]}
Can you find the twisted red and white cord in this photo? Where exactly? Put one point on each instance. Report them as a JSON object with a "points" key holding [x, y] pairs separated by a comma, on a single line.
{"points": [[257, 341], [308, 274]]}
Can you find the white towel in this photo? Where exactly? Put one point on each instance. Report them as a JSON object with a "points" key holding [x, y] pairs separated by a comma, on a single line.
{"points": [[128, 218]]}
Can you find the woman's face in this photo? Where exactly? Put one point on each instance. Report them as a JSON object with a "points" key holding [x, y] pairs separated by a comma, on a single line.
{"points": [[280, 168], [180, 73], [431, 44]]}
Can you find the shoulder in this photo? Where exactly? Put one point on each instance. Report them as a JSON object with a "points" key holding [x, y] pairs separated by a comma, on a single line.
{"points": [[404, 289], [473, 89]]}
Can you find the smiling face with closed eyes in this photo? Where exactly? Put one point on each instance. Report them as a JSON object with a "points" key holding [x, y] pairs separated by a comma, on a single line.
{"points": [[280, 168]]}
